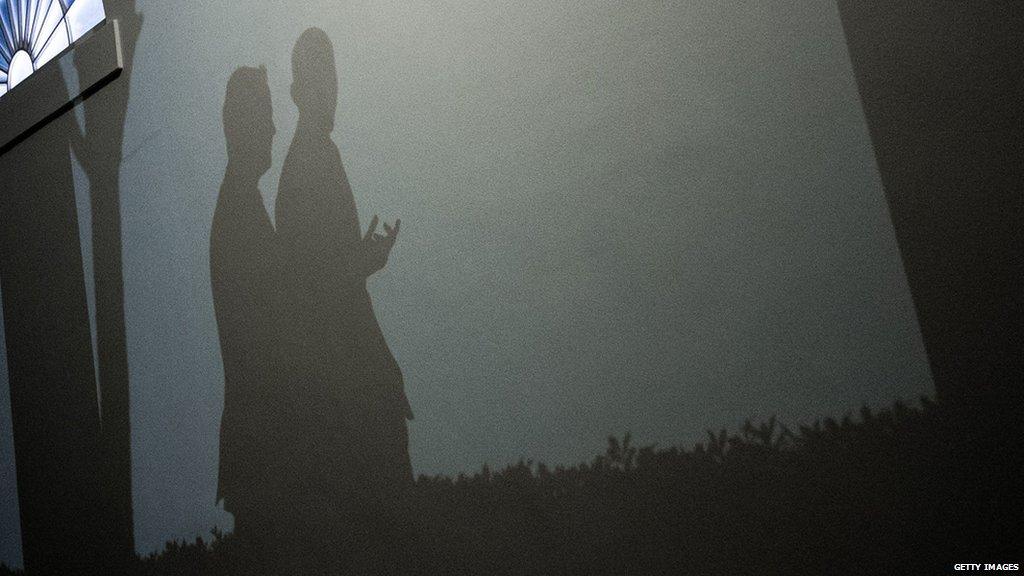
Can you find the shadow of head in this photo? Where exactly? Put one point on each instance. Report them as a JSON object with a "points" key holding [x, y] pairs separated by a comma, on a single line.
{"points": [[248, 119], [315, 78]]}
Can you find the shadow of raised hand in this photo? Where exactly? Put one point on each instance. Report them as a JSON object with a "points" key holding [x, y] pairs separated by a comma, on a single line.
{"points": [[376, 248]]}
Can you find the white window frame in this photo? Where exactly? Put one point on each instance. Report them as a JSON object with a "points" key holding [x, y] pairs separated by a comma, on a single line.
{"points": [[33, 103]]}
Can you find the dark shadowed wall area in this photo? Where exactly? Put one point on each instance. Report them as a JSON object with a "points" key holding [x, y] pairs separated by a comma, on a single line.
{"points": [[948, 126], [659, 219]]}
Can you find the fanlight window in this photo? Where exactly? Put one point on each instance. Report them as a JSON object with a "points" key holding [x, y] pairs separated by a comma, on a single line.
{"points": [[35, 31]]}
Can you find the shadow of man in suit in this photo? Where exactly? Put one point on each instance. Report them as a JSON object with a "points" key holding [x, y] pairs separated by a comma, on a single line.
{"points": [[245, 282], [350, 396]]}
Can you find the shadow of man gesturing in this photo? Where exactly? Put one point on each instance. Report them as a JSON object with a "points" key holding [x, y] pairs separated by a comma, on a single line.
{"points": [[349, 399]]}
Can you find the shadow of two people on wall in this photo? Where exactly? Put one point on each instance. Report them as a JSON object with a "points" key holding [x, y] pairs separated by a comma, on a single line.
{"points": [[314, 441]]}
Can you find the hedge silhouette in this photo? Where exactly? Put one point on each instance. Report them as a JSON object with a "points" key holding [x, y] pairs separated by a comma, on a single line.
{"points": [[902, 490]]}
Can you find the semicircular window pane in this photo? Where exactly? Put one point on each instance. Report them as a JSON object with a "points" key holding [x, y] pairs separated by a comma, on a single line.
{"points": [[41, 30]]}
